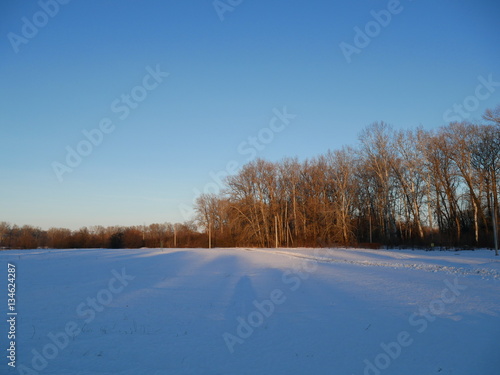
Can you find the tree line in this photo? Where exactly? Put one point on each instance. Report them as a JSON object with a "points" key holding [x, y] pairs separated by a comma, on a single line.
{"points": [[154, 235], [395, 187]]}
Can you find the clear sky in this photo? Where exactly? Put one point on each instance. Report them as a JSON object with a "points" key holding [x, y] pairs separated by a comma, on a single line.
{"points": [[79, 65]]}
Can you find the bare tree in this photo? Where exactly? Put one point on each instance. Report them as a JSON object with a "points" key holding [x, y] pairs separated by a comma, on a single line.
{"points": [[378, 154], [492, 115], [486, 158]]}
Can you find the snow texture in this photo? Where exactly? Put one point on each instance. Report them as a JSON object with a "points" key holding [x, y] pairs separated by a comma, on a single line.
{"points": [[253, 311]]}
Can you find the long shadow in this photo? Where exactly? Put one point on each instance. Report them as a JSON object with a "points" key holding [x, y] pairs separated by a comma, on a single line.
{"points": [[175, 311], [241, 302]]}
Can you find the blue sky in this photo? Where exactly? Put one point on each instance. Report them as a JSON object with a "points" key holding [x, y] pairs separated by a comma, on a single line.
{"points": [[226, 81]]}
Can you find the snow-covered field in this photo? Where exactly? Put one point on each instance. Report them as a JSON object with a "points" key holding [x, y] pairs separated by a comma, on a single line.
{"points": [[252, 311]]}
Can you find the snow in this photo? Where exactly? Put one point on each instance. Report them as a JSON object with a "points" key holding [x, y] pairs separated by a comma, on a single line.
{"points": [[254, 311]]}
